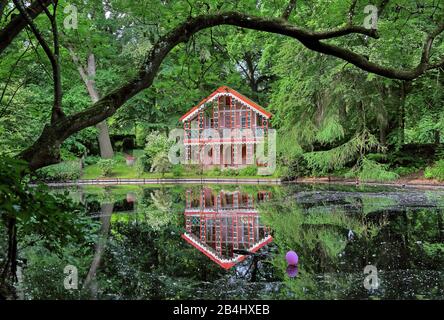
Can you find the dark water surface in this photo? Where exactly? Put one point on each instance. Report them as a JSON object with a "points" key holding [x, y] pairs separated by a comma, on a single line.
{"points": [[229, 242]]}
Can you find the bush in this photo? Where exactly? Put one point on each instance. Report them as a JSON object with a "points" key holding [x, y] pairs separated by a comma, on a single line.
{"points": [[194, 169], [178, 170], [298, 167], [230, 172], [156, 144], [106, 166], [372, 171], [436, 171], [119, 157], [248, 171], [404, 171], [379, 157], [90, 160], [214, 172], [140, 165], [161, 163], [64, 171]]}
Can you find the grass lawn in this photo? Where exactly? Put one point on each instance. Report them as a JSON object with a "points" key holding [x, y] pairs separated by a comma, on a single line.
{"points": [[123, 171]]}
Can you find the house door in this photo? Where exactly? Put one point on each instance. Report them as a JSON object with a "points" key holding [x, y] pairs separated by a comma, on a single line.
{"points": [[244, 154]]}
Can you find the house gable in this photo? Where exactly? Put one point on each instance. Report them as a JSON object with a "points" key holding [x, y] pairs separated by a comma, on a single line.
{"points": [[225, 91]]}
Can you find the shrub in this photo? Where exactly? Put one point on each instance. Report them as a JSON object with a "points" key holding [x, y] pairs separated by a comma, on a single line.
{"points": [[156, 144], [140, 165], [379, 157], [119, 157], [193, 168], [178, 170], [372, 171], [298, 167], [90, 160], [161, 163], [68, 170], [106, 166], [214, 172], [248, 171], [436, 171], [230, 172], [404, 171]]}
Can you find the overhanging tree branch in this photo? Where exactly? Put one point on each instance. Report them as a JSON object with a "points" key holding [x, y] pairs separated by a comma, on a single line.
{"points": [[17, 24], [425, 57]]}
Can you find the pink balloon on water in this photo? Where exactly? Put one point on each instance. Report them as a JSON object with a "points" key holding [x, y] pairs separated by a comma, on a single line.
{"points": [[292, 258]]}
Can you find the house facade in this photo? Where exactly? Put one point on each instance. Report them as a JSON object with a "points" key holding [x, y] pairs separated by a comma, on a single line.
{"points": [[225, 129]]}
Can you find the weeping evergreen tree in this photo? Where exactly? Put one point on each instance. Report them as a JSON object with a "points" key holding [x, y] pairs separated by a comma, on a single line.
{"points": [[331, 115]]}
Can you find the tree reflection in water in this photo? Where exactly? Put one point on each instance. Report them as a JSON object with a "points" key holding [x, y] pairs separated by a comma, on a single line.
{"points": [[145, 256]]}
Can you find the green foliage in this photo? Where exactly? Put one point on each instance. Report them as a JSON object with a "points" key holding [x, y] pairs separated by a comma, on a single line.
{"points": [[64, 171], [372, 171], [405, 171], [106, 166], [161, 163], [378, 157], [439, 151], [54, 219], [214, 172], [157, 145], [330, 131], [248, 171], [44, 275], [435, 171], [230, 172], [434, 251], [322, 162], [90, 160], [178, 170]]}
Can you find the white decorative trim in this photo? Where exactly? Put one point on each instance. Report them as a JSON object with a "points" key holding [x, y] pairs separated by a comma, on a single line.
{"points": [[191, 237], [235, 258]]}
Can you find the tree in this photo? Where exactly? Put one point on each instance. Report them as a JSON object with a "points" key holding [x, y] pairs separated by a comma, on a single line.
{"points": [[161, 163]]}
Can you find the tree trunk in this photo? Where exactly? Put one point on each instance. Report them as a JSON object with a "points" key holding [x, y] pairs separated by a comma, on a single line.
{"points": [[88, 76], [9, 270], [437, 136], [106, 148]]}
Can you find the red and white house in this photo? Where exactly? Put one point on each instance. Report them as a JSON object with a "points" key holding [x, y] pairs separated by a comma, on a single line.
{"points": [[228, 125], [220, 224]]}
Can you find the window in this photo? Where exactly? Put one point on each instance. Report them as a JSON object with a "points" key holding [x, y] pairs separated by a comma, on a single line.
{"points": [[243, 121], [227, 120]]}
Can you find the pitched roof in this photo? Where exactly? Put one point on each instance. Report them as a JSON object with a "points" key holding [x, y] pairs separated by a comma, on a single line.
{"points": [[226, 91]]}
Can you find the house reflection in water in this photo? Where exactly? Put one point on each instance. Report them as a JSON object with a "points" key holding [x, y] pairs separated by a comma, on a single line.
{"points": [[223, 225]]}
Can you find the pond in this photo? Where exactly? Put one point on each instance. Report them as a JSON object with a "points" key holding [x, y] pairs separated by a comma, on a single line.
{"points": [[230, 242]]}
